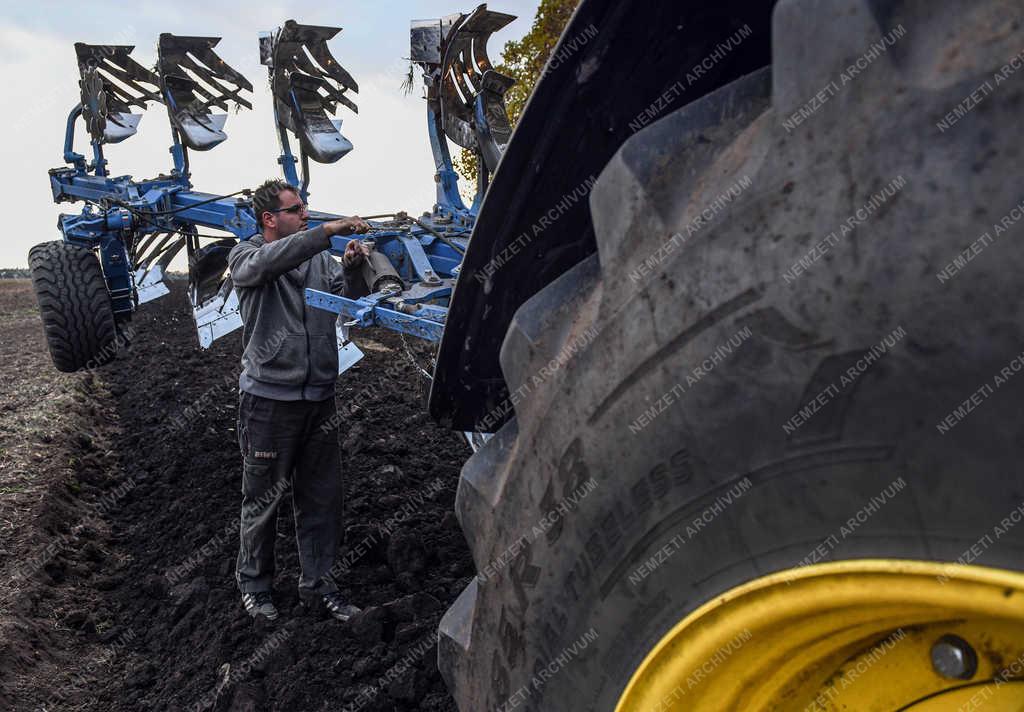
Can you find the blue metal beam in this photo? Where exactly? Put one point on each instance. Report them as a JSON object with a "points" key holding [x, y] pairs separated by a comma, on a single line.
{"points": [[365, 312]]}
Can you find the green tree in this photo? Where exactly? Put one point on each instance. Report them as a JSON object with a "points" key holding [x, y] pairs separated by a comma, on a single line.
{"points": [[524, 60]]}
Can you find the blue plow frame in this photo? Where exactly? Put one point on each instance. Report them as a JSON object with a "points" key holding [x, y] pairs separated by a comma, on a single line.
{"points": [[138, 226]]}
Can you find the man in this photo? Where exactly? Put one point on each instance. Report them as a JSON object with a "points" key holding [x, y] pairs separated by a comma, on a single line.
{"points": [[286, 393]]}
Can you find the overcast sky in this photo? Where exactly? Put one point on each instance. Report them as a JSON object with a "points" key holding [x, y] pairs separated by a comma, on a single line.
{"points": [[390, 168]]}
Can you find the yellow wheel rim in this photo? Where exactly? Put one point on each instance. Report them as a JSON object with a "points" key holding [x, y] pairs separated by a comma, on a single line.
{"points": [[852, 636]]}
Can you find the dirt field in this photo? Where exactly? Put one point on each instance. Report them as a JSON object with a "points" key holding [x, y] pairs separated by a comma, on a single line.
{"points": [[119, 497]]}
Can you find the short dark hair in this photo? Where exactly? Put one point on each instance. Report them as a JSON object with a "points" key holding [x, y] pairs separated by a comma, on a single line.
{"points": [[268, 197]]}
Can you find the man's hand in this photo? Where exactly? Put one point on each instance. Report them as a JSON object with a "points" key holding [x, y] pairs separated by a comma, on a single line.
{"points": [[355, 253], [347, 226]]}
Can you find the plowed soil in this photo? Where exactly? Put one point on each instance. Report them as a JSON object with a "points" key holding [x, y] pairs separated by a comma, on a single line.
{"points": [[119, 498]]}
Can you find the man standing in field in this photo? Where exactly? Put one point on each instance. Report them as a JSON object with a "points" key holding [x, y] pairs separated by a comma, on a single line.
{"points": [[286, 393]]}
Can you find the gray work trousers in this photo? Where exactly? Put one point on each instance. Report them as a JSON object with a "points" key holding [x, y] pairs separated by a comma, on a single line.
{"points": [[288, 445]]}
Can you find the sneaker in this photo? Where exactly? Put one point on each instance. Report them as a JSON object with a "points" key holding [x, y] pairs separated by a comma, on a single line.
{"points": [[259, 604], [338, 609]]}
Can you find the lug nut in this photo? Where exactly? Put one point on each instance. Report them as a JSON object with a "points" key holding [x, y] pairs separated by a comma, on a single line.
{"points": [[954, 658]]}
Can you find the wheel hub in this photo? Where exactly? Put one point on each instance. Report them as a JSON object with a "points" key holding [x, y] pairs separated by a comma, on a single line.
{"points": [[870, 635]]}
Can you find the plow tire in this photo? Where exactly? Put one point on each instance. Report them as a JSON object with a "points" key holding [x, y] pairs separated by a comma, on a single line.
{"points": [[74, 305], [671, 440]]}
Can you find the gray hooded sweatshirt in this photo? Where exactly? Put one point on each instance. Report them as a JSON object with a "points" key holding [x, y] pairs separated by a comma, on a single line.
{"points": [[290, 350]]}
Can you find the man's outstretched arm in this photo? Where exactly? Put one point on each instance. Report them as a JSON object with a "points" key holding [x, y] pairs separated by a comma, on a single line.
{"points": [[252, 265]]}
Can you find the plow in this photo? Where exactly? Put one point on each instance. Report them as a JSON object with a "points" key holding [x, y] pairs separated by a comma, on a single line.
{"points": [[130, 230], [699, 481]]}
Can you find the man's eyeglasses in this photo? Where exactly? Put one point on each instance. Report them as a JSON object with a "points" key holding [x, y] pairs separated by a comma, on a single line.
{"points": [[293, 209]]}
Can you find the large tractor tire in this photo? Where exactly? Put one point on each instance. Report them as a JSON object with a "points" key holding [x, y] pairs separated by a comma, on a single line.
{"points": [[74, 304], [745, 456]]}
